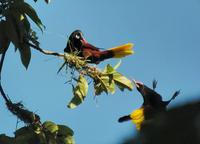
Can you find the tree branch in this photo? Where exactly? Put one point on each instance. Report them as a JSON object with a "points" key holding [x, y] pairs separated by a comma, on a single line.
{"points": [[46, 52], [17, 108], [1, 88]]}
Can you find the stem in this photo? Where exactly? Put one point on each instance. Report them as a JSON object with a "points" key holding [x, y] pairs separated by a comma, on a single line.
{"points": [[90, 70], [46, 52], [1, 88]]}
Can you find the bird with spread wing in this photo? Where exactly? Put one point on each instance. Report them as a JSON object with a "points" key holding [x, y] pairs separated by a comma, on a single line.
{"points": [[152, 105]]}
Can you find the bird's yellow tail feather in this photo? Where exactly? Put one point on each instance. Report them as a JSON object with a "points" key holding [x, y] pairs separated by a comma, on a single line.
{"points": [[122, 51]]}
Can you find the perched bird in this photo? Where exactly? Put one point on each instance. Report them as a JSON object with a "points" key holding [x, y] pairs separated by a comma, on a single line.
{"points": [[78, 44], [152, 105]]}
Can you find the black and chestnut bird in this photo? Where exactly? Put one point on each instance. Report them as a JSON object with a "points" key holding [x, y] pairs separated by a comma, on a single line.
{"points": [[152, 105], [77, 44]]}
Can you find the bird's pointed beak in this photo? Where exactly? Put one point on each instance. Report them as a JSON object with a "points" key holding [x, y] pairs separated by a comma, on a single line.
{"points": [[137, 83]]}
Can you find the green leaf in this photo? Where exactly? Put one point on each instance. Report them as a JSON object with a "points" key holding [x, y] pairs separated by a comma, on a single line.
{"points": [[109, 69], [26, 135], [11, 31], [98, 88], [23, 131], [26, 23], [16, 32], [69, 140], [108, 84], [122, 82], [50, 126], [4, 41], [118, 64], [80, 92], [65, 130], [25, 8], [25, 54]]}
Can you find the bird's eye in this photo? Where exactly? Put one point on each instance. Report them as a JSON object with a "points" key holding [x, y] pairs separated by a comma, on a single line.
{"points": [[77, 36]]}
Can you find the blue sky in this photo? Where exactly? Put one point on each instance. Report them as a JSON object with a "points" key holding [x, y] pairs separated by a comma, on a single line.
{"points": [[166, 35]]}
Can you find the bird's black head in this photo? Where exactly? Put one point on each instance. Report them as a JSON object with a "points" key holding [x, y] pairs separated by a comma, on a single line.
{"points": [[76, 35], [149, 95], [139, 86], [75, 41]]}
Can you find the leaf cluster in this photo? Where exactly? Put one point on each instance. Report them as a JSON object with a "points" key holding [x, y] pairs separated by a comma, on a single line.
{"points": [[103, 80], [48, 133], [15, 28]]}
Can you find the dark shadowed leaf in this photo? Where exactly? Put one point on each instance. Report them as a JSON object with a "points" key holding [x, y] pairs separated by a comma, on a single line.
{"points": [[4, 41], [23, 131], [6, 140], [11, 32], [25, 8], [17, 28], [25, 54], [98, 89], [80, 92], [26, 23], [26, 135]]}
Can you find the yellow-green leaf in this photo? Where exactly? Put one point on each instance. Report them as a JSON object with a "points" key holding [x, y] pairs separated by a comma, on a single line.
{"points": [[80, 92], [118, 64], [65, 130], [69, 140], [122, 82], [50, 126], [109, 69], [107, 83]]}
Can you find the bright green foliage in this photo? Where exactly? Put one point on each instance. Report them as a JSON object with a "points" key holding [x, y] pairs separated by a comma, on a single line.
{"points": [[103, 81], [109, 78]]}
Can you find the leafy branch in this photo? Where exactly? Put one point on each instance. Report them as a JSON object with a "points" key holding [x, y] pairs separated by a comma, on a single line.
{"points": [[103, 80], [15, 28]]}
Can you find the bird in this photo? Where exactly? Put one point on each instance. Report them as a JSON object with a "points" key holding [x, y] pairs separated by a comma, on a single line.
{"points": [[152, 105], [78, 44]]}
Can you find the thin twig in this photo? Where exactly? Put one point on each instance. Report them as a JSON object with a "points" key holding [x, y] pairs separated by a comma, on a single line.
{"points": [[46, 52]]}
